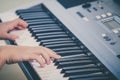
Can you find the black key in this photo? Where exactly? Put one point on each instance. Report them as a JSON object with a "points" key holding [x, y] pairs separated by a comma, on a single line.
{"points": [[44, 28], [78, 67], [29, 17], [91, 76], [71, 56], [53, 40], [74, 58], [60, 45], [47, 27], [35, 17], [58, 42], [67, 48], [66, 53], [44, 42], [47, 30], [38, 20], [42, 22], [53, 33], [79, 58], [42, 25], [83, 62], [81, 71], [51, 37]]}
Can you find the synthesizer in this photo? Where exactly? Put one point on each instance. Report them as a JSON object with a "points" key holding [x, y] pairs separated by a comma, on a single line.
{"points": [[85, 33]]}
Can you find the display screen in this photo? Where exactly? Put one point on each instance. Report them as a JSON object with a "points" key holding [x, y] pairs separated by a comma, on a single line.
{"points": [[71, 3], [117, 1], [112, 24]]}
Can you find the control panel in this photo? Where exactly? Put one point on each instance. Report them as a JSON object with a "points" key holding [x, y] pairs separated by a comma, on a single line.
{"points": [[103, 17], [112, 35]]}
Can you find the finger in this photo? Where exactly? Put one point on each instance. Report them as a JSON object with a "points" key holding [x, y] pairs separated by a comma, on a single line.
{"points": [[10, 36], [39, 60], [41, 51], [19, 27], [22, 23], [19, 22], [45, 55], [52, 54]]}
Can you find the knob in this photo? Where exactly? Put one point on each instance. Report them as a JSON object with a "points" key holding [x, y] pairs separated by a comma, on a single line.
{"points": [[86, 5]]}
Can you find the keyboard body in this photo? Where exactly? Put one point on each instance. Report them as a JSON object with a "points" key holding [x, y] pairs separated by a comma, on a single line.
{"points": [[83, 29]]}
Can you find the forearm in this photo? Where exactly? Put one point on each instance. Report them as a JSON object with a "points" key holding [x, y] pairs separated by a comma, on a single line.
{"points": [[2, 31]]}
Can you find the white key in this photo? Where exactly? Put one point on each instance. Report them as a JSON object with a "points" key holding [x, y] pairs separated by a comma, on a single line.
{"points": [[49, 71], [2, 43]]}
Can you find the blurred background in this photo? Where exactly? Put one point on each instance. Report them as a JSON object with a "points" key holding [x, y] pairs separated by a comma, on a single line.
{"points": [[9, 4]]}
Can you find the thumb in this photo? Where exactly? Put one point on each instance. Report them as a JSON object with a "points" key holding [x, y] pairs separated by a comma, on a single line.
{"points": [[11, 36]]}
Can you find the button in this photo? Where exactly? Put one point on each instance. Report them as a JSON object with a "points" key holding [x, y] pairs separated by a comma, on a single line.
{"points": [[98, 17], [80, 14], [109, 14], [95, 8], [106, 37], [118, 56], [103, 15], [113, 43], [103, 35], [88, 10], [119, 35], [115, 31], [85, 19]]}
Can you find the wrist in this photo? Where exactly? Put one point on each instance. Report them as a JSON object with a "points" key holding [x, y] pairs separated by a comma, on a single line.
{"points": [[2, 57], [8, 53], [2, 53]]}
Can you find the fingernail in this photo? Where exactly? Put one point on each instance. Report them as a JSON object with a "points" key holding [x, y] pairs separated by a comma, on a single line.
{"points": [[43, 66], [59, 56]]}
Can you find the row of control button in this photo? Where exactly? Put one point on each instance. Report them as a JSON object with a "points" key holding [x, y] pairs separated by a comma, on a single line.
{"points": [[108, 37], [104, 15]]}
